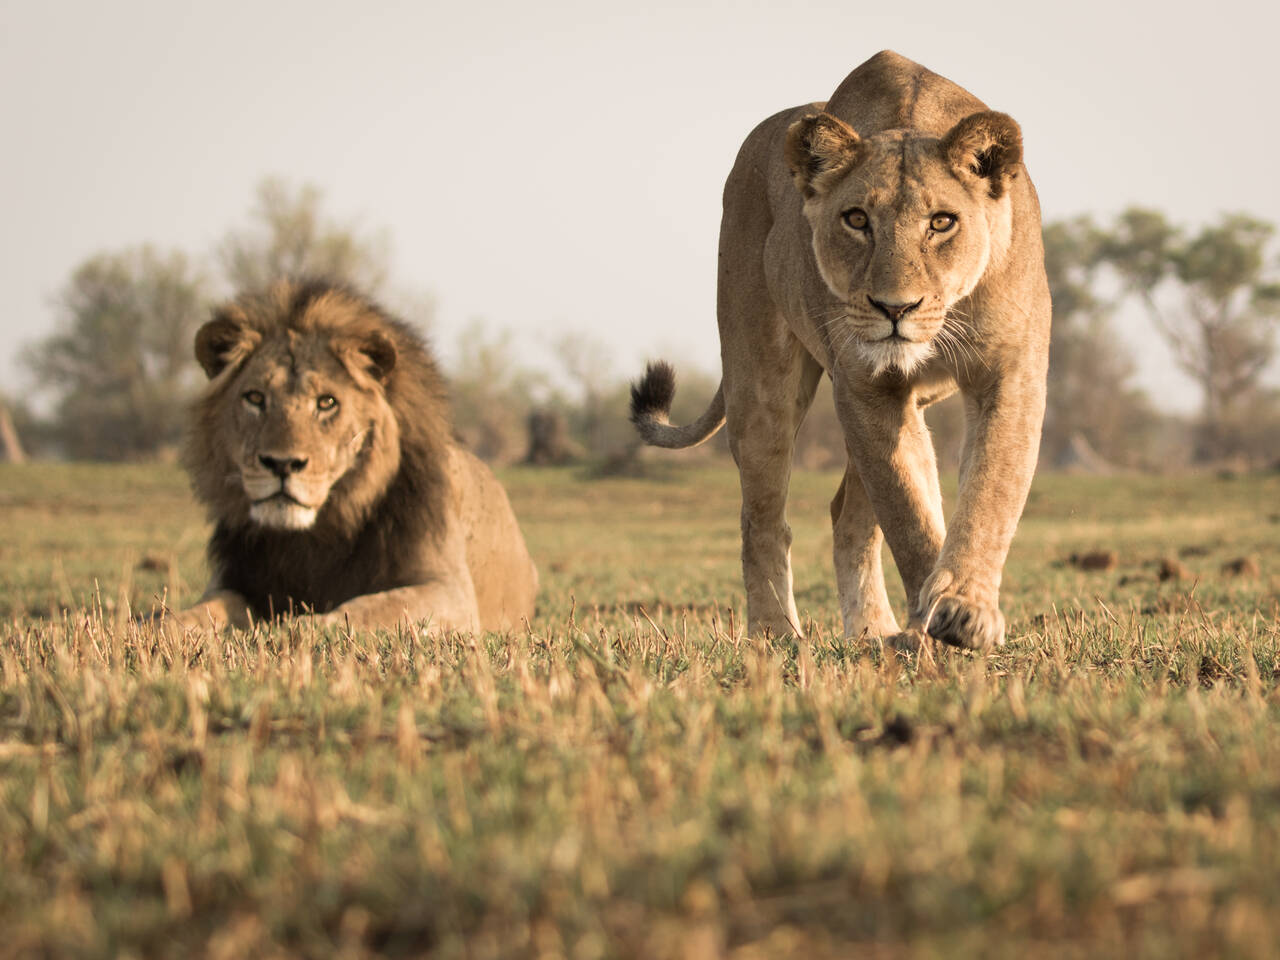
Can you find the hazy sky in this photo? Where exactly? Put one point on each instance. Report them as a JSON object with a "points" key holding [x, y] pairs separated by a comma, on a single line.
{"points": [[556, 167]]}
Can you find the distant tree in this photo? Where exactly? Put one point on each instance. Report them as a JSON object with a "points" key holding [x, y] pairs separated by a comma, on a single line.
{"points": [[1215, 297], [586, 362], [492, 394], [289, 236], [11, 450], [120, 366], [1091, 401], [550, 443], [598, 399]]}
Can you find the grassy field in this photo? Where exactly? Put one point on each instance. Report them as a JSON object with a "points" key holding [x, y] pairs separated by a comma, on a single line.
{"points": [[631, 776]]}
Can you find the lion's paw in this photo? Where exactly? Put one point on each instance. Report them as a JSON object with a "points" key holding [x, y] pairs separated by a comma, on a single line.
{"points": [[965, 622]]}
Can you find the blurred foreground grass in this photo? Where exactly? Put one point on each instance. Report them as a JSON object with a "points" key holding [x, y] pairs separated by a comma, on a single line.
{"points": [[631, 776]]}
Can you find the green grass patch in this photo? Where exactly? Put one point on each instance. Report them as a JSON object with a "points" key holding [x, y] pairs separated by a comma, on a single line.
{"points": [[631, 776]]}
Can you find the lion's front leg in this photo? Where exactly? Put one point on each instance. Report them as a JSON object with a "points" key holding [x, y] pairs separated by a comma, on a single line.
{"points": [[442, 605], [217, 609], [960, 601], [444, 598]]}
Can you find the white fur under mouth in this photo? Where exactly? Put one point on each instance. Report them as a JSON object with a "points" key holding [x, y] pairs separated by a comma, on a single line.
{"points": [[283, 514], [894, 353]]}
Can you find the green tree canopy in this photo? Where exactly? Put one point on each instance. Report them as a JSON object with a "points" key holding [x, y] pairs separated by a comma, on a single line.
{"points": [[1214, 295], [120, 367], [120, 364], [1090, 395], [289, 236]]}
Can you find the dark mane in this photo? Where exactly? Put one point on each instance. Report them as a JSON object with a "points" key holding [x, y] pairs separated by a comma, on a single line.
{"points": [[349, 551]]}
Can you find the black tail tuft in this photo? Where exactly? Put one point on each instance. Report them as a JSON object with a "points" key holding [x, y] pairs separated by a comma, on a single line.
{"points": [[651, 396]]}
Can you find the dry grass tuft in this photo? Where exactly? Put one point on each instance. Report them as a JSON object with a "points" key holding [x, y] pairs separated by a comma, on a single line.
{"points": [[631, 775]]}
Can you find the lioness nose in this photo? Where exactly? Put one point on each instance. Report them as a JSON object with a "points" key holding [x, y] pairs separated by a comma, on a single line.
{"points": [[894, 311], [282, 466]]}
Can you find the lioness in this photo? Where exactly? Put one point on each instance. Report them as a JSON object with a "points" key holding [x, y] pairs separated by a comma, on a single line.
{"points": [[891, 238], [323, 451]]}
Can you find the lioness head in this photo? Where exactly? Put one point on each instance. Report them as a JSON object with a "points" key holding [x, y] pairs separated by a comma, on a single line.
{"points": [[296, 415], [904, 226]]}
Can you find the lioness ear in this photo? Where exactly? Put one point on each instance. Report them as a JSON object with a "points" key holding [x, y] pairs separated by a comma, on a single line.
{"points": [[819, 147], [223, 341], [987, 145], [371, 354]]}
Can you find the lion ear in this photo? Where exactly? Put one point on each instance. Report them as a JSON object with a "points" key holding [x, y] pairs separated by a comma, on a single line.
{"points": [[372, 354], [819, 148], [986, 145], [223, 342]]}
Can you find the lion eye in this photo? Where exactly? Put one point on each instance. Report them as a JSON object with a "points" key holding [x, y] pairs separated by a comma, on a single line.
{"points": [[942, 222], [326, 402], [255, 398], [855, 219]]}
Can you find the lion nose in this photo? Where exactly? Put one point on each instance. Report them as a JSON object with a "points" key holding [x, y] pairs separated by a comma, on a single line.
{"points": [[282, 466], [894, 311]]}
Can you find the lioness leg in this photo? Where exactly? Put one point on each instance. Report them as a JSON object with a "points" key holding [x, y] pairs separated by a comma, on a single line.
{"points": [[864, 604], [961, 598], [764, 408], [893, 452]]}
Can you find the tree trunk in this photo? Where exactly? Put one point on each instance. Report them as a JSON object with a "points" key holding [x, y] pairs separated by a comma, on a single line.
{"points": [[10, 445], [549, 440]]}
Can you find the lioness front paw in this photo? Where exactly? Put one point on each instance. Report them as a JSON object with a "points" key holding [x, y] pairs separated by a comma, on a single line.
{"points": [[907, 641], [965, 622]]}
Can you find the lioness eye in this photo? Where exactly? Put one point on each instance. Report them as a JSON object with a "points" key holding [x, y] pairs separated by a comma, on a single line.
{"points": [[326, 402], [254, 398], [942, 222], [856, 218]]}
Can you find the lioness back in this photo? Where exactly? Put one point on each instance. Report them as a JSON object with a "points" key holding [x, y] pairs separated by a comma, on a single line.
{"points": [[890, 92]]}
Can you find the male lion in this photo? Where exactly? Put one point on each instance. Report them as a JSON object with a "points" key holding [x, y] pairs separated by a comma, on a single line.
{"points": [[891, 238], [323, 451]]}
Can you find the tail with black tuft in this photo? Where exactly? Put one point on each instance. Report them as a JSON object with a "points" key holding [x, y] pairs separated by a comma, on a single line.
{"points": [[651, 405], [651, 397]]}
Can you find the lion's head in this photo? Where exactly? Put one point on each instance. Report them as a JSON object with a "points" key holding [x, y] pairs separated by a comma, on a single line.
{"points": [[905, 225], [298, 428]]}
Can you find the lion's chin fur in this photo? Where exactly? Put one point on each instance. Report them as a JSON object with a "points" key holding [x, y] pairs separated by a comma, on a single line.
{"points": [[902, 355], [281, 514]]}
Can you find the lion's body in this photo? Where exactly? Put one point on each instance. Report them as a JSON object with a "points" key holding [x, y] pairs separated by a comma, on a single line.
{"points": [[893, 242], [323, 450]]}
